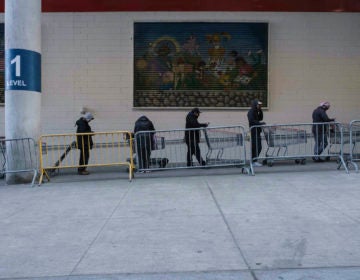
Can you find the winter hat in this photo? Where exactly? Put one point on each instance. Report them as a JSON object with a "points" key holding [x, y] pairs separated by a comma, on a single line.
{"points": [[325, 104], [196, 110], [88, 116]]}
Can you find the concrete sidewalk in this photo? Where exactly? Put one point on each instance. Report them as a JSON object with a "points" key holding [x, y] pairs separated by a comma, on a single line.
{"points": [[192, 224]]}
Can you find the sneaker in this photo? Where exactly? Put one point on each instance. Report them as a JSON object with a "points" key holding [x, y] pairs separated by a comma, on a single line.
{"points": [[83, 172], [257, 164]]}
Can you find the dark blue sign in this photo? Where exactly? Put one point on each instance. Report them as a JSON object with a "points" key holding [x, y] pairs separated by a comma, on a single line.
{"points": [[22, 70]]}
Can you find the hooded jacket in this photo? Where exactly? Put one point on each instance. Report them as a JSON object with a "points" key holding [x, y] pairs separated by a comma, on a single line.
{"points": [[255, 115], [83, 141], [192, 122], [145, 140]]}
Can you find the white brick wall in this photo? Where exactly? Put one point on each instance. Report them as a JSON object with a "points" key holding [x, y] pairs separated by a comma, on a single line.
{"points": [[87, 60]]}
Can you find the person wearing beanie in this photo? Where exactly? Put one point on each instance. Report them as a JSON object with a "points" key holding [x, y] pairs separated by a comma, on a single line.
{"points": [[255, 116], [192, 137], [319, 129], [84, 142]]}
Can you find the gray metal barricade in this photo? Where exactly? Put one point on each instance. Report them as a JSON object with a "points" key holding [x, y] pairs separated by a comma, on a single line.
{"points": [[354, 151], [19, 155], [190, 148], [344, 141], [296, 142]]}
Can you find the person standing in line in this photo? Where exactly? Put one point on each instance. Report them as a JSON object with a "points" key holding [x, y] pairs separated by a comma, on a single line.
{"points": [[84, 142], [192, 137], [255, 116], [319, 130], [144, 141]]}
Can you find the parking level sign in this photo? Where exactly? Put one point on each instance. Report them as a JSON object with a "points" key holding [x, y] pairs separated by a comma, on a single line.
{"points": [[22, 70]]}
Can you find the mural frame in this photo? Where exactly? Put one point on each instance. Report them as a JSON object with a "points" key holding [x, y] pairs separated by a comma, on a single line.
{"points": [[212, 65]]}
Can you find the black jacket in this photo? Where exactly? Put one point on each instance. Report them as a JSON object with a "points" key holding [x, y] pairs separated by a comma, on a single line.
{"points": [[145, 140], [192, 122], [255, 115], [83, 141], [319, 116]]}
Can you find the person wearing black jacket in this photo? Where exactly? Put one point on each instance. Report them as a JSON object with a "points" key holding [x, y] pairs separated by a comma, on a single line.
{"points": [[144, 141], [320, 130], [255, 116], [192, 136], [84, 142]]}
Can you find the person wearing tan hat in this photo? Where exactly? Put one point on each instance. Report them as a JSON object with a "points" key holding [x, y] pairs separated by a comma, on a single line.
{"points": [[84, 142], [319, 129]]}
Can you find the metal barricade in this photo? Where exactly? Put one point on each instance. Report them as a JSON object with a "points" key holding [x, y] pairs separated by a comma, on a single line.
{"points": [[341, 141], [3, 158], [59, 151], [354, 139], [19, 155], [190, 148], [296, 142]]}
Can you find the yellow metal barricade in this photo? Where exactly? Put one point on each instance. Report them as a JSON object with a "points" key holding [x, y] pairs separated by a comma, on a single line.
{"points": [[59, 151]]}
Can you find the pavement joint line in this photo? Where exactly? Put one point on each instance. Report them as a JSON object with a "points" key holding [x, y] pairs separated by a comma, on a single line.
{"points": [[307, 268], [231, 233], [101, 229], [124, 274]]}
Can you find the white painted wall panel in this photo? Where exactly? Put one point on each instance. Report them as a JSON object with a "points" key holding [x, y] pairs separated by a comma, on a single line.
{"points": [[87, 60]]}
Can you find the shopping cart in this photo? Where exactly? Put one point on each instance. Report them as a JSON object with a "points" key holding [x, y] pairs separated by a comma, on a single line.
{"points": [[219, 140], [278, 138]]}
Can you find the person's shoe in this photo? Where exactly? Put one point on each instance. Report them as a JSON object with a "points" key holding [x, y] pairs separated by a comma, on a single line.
{"points": [[203, 163], [83, 172], [317, 159], [257, 164]]}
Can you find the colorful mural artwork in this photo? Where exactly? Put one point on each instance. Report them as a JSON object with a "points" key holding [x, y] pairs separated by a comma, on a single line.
{"points": [[207, 64]]}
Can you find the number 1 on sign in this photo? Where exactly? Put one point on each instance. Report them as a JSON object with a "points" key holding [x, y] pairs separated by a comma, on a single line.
{"points": [[16, 60]]}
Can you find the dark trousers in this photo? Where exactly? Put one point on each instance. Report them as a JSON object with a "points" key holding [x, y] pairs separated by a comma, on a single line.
{"points": [[84, 158], [193, 149], [256, 146], [144, 153], [321, 141]]}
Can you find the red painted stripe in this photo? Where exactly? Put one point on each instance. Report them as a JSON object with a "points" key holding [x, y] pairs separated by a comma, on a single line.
{"points": [[198, 5]]}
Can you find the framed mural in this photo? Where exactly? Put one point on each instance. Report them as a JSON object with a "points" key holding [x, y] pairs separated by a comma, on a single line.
{"points": [[200, 64]]}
